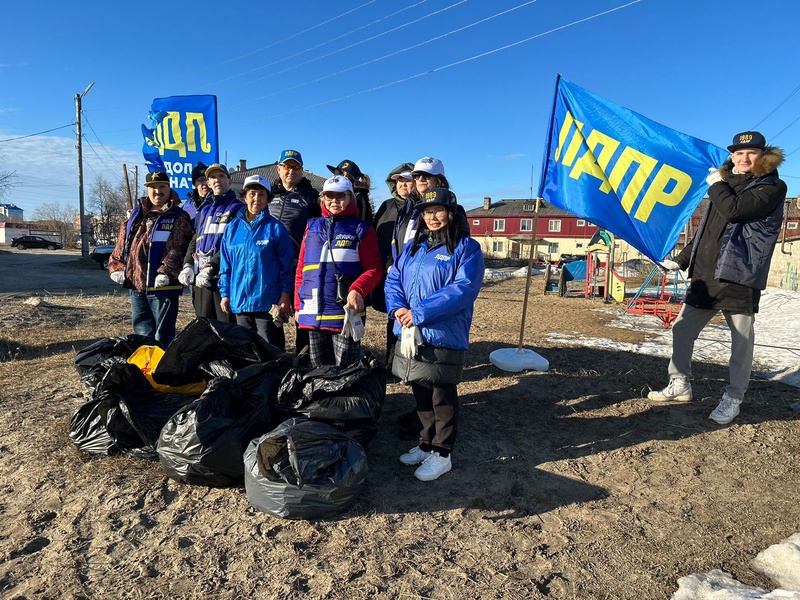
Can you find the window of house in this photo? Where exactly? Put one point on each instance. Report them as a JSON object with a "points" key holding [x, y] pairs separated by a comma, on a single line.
{"points": [[526, 225], [499, 224], [552, 247], [497, 245], [580, 223], [554, 225], [528, 208], [790, 225], [476, 222], [579, 245]]}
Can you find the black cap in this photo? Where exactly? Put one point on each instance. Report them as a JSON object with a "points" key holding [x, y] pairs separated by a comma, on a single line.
{"points": [[436, 196], [748, 139], [348, 167], [198, 171], [156, 177]]}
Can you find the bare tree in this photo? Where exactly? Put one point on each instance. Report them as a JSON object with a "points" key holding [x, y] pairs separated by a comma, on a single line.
{"points": [[61, 218], [109, 205], [7, 181]]}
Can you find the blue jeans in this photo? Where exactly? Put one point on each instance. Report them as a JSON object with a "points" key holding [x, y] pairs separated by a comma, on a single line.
{"points": [[154, 316]]}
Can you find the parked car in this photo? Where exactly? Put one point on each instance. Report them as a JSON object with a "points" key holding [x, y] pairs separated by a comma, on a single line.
{"points": [[35, 241], [101, 254]]}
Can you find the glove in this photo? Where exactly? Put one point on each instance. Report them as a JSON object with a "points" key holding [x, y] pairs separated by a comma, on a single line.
{"points": [[203, 278], [186, 276], [277, 316], [161, 280], [118, 277], [410, 338], [669, 265], [713, 176], [353, 325]]}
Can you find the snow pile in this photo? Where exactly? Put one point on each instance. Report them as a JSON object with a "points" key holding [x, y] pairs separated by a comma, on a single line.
{"points": [[523, 272], [777, 351], [780, 562]]}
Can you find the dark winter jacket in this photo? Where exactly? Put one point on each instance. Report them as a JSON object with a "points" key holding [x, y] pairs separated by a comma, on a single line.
{"points": [[384, 222], [294, 208], [729, 258]]}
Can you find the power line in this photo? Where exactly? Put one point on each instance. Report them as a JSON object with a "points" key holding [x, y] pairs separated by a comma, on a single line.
{"points": [[781, 103], [348, 33], [98, 139], [299, 33], [33, 134], [784, 129], [364, 41], [453, 64], [385, 56]]}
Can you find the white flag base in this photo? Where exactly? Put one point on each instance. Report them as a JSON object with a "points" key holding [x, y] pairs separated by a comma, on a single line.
{"points": [[516, 360]]}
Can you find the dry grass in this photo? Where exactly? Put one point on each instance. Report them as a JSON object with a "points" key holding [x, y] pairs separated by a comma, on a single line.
{"points": [[566, 484]]}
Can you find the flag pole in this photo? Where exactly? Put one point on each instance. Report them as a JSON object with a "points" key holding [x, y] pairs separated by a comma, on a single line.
{"points": [[519, 358]]}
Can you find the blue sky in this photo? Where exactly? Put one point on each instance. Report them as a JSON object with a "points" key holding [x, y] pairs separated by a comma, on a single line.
{"points": [[350, 79]]}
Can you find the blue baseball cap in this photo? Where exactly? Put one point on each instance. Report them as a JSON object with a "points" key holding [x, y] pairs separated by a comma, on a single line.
{"points": [[291, 155]]}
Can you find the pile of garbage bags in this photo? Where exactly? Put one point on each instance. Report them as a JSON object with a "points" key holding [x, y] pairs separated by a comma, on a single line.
{"points": [[221, 407]]}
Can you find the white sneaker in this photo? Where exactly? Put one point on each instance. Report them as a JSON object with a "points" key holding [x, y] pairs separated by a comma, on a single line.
{"points": [[726, 410], [434, 467], [415, 456], [678, 390]]}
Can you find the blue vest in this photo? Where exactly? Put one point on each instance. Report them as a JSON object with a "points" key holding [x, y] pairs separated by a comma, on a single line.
{"points": [[161, 232], [327, 238], [212, 218]]}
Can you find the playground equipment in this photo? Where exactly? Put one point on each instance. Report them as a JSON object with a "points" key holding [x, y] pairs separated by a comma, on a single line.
{"points": [[666, 305]]}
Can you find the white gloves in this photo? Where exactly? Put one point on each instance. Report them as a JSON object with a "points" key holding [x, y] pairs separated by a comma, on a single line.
{"points": [[118, 277], [277, 316], [161, 280], [713, 176], [203, 278], [410, 338], [353, 325], [186, 276], [669, 265]]}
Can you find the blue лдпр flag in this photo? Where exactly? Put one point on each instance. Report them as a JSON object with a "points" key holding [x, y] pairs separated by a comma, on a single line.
{"points": [[183, 132], [622, 171]]}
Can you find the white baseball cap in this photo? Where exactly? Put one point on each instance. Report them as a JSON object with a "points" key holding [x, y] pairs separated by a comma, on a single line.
{"points": [[337, 183], [404, 175], [255, 180], [427, 164]]}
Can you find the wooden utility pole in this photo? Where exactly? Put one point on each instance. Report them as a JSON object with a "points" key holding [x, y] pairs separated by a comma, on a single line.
{"points": [[81, 211], [127, 186]]}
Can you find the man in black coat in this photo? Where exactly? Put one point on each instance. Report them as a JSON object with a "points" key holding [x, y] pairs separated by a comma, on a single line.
{"points": [[728, 264]]}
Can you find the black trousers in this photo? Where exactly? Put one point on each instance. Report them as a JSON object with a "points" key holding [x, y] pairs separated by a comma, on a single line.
{"points": [[437, 407], [263, 324], [206, 304], [391, 340]]}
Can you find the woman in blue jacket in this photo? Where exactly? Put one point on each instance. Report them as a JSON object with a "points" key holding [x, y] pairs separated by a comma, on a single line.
{"points": [[256, 261], [430, 292]]}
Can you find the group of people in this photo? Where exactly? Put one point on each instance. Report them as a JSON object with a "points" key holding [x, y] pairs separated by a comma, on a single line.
{"points": [[282, 249]]}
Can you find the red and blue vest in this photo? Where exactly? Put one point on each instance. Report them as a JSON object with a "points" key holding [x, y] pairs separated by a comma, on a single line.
{"points": [[328, 239]]}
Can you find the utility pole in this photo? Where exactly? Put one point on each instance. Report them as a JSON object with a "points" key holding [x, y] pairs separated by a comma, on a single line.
{"points": [[136, 181], [84, 228]]}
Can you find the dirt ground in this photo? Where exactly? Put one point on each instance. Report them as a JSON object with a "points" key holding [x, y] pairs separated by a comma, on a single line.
{"points": [[565, 484]]}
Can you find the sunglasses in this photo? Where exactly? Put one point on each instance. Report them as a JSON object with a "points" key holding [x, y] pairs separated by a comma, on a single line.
{"points": [[425, 176], [334, 196], [289, 167]]}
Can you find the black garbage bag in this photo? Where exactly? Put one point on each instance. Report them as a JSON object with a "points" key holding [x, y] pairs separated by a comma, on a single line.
{"points": [[132, 412], [304, 470], [88, 431], [203, 443], [208, 346], [348, 398], [93, 361]]}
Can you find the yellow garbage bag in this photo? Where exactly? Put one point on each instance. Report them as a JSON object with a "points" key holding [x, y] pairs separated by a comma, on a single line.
{"points": [[147, 358]]}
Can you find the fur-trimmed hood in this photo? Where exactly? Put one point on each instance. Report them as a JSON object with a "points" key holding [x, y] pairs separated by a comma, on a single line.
{"points": [[768, 163]]}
